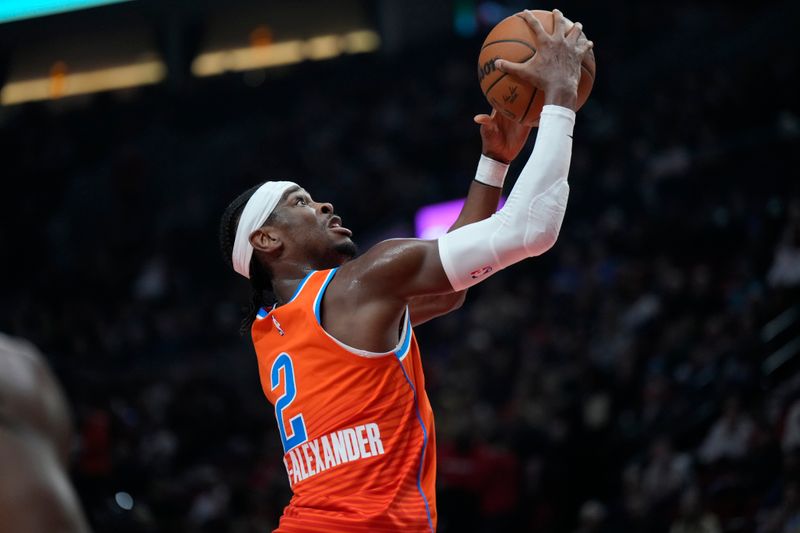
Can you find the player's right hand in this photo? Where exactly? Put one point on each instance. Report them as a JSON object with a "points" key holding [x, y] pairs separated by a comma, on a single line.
{"points": [[556, 65], [501, 138]]}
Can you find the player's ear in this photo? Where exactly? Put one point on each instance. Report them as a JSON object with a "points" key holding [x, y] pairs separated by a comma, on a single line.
{"points": [[266, 239]]}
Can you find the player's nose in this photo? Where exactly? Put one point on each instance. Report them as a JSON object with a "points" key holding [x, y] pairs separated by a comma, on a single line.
{"points": [[325, 208]]}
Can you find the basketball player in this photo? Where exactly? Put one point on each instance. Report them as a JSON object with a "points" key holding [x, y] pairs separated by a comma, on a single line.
{"points": [[337, 354], [35, 492]]}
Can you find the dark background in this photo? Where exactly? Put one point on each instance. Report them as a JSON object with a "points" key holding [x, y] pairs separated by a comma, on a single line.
{"points": [[641, 376]]}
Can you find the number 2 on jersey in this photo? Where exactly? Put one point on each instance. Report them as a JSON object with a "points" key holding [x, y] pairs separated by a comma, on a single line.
{"points": [[297, 425]]}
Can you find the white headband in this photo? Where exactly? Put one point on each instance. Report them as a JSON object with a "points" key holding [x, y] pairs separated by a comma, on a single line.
{"points": [[258, 208]]}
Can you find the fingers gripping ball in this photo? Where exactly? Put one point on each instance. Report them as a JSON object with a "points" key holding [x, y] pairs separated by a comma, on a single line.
{"points": [[513, 39]]}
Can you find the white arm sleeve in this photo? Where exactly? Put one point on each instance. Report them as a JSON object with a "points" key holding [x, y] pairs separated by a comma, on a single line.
{"points": [[529, 222]]}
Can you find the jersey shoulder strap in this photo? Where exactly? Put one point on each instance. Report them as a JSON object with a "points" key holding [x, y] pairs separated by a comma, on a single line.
{"points": [[307, 296], [309, 293]]}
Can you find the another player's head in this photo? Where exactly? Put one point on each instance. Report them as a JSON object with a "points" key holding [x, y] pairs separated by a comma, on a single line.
{"points": [[277, 225]]}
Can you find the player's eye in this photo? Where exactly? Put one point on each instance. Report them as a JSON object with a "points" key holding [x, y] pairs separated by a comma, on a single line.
{"points": [[300, 201]]}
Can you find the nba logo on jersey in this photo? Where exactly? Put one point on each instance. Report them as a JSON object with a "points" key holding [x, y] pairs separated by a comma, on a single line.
{"points": [[278, 326], [480, 272]]}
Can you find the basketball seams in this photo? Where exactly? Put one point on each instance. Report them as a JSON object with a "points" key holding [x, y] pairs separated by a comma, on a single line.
{"points": [[590, 59], [489, 89], [588, 72], [504, 74], [518, 41], [486, 94]]}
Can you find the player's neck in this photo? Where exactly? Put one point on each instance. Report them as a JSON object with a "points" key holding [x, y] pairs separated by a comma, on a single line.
{"points": [[285, 282]]}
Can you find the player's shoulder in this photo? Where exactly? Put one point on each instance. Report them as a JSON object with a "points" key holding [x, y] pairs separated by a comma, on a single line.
{"points": [[382, 272], [21, 364], [10, 345], [20, 376], [29, 393], [388, 255]]}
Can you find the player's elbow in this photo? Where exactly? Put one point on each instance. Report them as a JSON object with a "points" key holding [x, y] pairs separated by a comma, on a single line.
{"points": [[546, 241], [458, 300], [546, 223], [543, 242], [450, 302]]}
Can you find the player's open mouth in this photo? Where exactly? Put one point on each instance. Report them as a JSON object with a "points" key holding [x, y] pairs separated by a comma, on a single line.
{"points": [[335, 225]]}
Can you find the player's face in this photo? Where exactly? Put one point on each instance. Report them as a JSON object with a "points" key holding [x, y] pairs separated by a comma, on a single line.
{"points": [[312, 230]]}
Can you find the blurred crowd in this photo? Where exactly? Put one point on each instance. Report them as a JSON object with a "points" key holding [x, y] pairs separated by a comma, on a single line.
{"points": [[639, 377]]}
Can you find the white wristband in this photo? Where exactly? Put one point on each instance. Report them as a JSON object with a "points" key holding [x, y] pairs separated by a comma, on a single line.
{"points": [[491, 172]]}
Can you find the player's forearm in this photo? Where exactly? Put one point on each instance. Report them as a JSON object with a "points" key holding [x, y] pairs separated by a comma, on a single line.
{"points": [[529, 223], [481, 203], [484, 192]]}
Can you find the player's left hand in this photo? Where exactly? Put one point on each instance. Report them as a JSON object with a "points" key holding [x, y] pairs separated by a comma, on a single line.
{"points": [[502, 137]]}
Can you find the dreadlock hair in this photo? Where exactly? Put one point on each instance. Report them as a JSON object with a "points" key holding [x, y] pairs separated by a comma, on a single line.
{"points": [[260, 278]]}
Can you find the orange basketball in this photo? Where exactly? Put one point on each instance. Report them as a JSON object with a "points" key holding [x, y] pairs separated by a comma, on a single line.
{"points": [[513, 39]]}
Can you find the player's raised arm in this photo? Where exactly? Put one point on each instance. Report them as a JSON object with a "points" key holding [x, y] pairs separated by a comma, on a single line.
{"points": [[529, 223], [502, 139], [275, 234]]}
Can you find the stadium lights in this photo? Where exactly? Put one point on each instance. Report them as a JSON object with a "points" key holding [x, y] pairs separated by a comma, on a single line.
{"points": [[62, 83], [65, 84], [284, 53], [324, 47], [238, 59]]}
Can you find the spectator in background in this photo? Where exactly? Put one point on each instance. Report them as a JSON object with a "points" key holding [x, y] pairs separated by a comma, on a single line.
{"points": [[665, 473], [785, 518], [791, 428], [692, 517], [730, 436], [785, 270], [592, 517], [652, 486]]}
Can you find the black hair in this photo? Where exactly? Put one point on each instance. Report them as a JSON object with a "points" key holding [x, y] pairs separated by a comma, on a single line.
{"points": [[260, 278]]}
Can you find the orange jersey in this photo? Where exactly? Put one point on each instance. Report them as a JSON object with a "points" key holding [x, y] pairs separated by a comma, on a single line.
{"points": [[356, 426]]}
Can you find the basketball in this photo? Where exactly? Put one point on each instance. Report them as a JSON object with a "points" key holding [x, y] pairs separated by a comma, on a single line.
{"points": [[513, 40]]}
